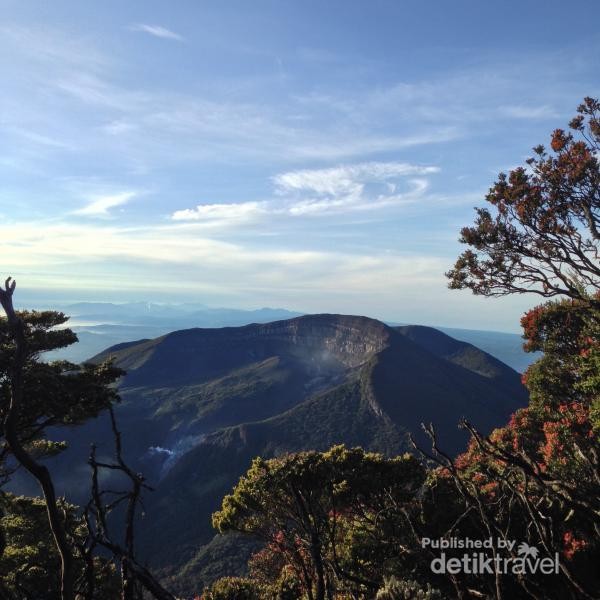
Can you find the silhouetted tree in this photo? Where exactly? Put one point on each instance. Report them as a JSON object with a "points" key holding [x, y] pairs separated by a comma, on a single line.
{"points": [[135, 577], [37, 395], [538, 478], [541, 234]]}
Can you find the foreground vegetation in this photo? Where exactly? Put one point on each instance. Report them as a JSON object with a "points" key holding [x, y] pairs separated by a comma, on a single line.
{"points": [[347, 523]]}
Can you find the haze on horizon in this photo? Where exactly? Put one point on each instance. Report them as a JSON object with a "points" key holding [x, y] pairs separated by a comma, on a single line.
{"points": [[320, 157]]}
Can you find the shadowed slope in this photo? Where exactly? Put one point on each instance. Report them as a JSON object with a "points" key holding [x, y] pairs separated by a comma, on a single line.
{"points": [[199, 404]]}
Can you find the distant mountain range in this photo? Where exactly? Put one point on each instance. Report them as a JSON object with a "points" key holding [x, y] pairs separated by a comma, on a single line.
{"points": [[508, 347], [102, 324], [199, 404]]}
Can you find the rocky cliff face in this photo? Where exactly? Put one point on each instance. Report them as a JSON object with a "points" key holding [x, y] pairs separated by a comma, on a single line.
{"points": [[322, 342]]}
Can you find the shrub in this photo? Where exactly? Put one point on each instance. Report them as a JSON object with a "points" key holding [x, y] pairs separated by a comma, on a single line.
{"points": [[396, 589], [234, 588]]}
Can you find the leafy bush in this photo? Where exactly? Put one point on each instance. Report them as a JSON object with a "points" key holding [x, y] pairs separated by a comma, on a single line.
{"points": [[234, 588], [396, 589]]}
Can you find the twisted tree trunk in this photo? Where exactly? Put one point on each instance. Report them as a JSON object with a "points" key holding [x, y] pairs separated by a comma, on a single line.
{"points": [[40, 472]]}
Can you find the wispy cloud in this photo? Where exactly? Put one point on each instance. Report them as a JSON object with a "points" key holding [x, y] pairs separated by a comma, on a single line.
{"points": [[241, 211], [118, 127], [99, 105], [347, 179], [101, 205], [50, 46], [153, 125], [518, 111], [38, 138], [312, 192], [183, 246], [157, 31], [101, 258], [121, 118]]}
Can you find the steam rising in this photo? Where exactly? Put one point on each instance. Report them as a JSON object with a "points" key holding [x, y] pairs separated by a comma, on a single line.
{"points": [[171, 455]]}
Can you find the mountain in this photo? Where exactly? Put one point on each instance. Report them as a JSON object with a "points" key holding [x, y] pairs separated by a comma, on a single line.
{"points": [[99, 325], [199, 404], [169, 315], [507, 347], [459, 352]]}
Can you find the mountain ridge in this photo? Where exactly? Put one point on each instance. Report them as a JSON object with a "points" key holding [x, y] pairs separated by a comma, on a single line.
{"points": [[346, 379], [199, 404]]}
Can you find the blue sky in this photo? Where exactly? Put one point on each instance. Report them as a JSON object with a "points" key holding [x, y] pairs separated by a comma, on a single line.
{"points": [[319, 156]]}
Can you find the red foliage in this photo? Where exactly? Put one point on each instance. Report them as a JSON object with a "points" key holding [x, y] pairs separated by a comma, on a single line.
{"points": [[559, 140], [530, 322], [553, 448], [520, 422], [572, 545]]}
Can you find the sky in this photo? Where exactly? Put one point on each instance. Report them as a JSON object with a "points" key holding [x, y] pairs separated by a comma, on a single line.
{"points": [[319, 156]]}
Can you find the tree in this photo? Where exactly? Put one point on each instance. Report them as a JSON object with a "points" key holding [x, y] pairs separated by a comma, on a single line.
{"points": [[395, 589], [300, 505], [37, 395], [135, 577], [30, 564], [234, 588], [540, 475], [542, 234]]}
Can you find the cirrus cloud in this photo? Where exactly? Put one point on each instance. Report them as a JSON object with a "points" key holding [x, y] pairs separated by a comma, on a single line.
{"points": [[157, 31], [217, 212], [311, 192], [100, 205]]}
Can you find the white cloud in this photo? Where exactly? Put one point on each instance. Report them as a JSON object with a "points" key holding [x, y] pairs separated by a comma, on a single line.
{"points": [[179, 249], [346, 179], [314, 207], [157, 31], [100, 205], [221, 212], [310, 192], [177, 262]]}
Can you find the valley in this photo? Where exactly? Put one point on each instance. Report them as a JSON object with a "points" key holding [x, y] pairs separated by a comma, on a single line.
{"points": [[199, 404]]}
